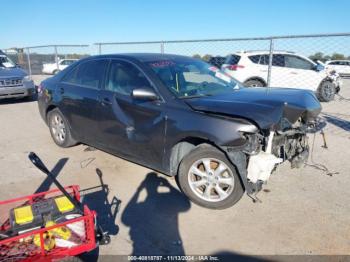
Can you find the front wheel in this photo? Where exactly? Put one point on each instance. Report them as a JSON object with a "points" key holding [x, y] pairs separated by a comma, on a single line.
{"points": [[326, 91], [208, 178]]}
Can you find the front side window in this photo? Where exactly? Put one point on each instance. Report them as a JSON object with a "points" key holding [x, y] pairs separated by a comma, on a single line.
{"points": [[298, 63], [186, 77], [124, 77], [88, 74]]}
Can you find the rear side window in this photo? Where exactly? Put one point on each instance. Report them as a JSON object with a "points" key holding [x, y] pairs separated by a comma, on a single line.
{"points": [[278, 60], [255, 58], [232, 59], [264, 60], [88, 74]]}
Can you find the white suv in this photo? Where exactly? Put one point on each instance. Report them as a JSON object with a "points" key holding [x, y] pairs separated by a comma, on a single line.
{"points": [[341, 66], [288, 70], [52, 67]]}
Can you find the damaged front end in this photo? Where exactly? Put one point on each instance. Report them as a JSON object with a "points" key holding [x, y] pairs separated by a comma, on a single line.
{"points": [[266, 149]]}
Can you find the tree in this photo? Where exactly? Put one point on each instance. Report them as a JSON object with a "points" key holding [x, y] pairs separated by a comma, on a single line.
{"points": [[206, 57], [337, 56], [317, 56], [196, 56]]}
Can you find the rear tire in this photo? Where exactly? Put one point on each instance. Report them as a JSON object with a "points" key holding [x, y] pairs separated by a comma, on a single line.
{"points": [[209, 179], [326, 91], [55, 72], [59, 129], [254, 83]]}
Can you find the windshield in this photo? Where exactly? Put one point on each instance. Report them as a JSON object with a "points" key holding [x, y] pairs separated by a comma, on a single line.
{"points": [[191, 78], [6, 62]]}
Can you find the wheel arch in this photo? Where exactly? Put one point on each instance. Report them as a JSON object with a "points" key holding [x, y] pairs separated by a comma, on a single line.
{"points": [[48, 110], [184, 147]]}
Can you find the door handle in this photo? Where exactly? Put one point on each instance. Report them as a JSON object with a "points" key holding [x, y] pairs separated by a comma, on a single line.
{"points": [[105, 101], [293, 73]]}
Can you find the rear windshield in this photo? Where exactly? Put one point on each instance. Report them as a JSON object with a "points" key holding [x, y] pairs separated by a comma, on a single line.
{"points": [[232, 59]]}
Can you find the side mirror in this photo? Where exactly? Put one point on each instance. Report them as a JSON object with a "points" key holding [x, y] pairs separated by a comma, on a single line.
{"points": [[319, 67], [144, 93]]}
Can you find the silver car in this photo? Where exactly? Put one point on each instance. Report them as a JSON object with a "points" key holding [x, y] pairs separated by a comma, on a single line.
{"points": [[14, 81]]}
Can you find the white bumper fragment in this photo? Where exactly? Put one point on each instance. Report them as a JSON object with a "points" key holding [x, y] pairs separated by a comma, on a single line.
{"points": [[261, 165]]}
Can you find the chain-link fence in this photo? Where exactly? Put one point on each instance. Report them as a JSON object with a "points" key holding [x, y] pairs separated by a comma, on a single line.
{"points": [[49, 59], [298, 61], [302, 61]]}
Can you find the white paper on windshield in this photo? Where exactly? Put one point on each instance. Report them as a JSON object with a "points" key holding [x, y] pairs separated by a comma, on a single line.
{"points": [[223, 77], [7, 64]]}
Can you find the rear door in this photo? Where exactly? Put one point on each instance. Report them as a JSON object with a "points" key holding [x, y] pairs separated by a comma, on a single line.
{"points": [[130, 128], [79, 91]]}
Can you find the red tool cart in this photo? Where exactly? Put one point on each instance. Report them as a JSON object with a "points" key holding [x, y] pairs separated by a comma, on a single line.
{"points": [[48, 226]]}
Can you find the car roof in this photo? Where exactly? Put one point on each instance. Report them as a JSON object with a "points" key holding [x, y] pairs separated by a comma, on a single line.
{"points": [[142, 57], [340, 60], [263, 52]]}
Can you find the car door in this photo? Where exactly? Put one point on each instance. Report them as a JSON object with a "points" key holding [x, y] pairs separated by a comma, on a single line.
{"points": [[128, 127], [302, 73], [79, 92], [280, 76]]}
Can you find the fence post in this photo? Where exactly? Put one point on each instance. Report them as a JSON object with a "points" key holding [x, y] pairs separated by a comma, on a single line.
{"points": [[56, 58], [270, 63], [162, 47], [29, 66]]}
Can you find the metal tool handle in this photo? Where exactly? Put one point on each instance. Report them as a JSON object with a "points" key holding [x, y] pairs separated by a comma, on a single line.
{"points": [[41, 166]]}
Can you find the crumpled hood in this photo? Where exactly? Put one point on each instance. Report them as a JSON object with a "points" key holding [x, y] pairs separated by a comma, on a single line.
{"points": [[264, 106], [12, 72]]}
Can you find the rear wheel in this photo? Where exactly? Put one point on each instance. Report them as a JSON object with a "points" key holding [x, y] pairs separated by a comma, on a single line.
{"points": [[326, 91], [56, 71], [208, 178], [253, 83], [59, 129]]}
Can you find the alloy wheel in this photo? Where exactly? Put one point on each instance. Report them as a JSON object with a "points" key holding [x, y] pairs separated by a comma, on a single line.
{"points": [[211, 179], [58, 128]]}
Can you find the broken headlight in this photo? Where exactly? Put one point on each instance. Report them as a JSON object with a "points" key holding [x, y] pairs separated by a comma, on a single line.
{"points": [[253, 144]]}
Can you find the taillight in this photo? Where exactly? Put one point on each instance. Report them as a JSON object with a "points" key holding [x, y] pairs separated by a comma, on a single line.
{"points": [[234, 67]]}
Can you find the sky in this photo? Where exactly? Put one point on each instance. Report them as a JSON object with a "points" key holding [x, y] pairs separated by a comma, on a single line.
{"points": [[34, 22]]}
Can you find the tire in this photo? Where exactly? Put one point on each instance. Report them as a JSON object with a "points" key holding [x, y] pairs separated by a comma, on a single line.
{"points": [[55, 72], [253, 83], [326, 91], [204, 190], [59, 129]]}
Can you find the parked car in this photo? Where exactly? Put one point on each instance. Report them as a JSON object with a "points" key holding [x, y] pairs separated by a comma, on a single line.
{"points": [[289, 70], [340, 66], [217, 61], [14, 81], [182, 117], [51, 68]]}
